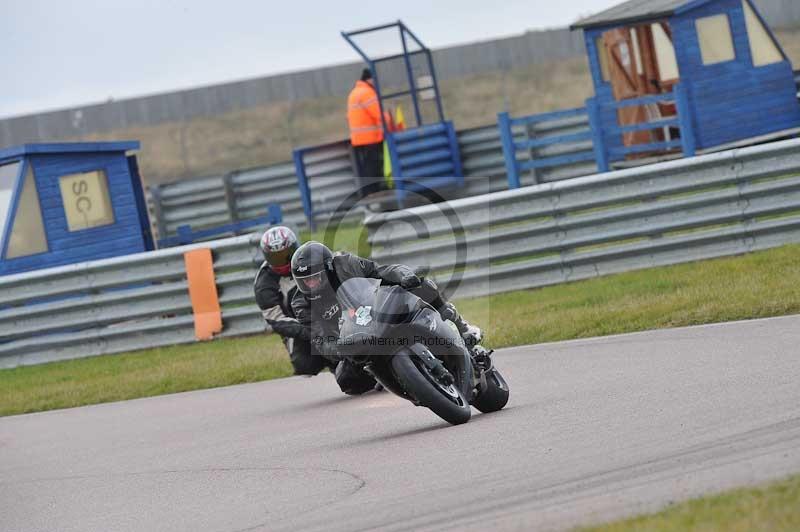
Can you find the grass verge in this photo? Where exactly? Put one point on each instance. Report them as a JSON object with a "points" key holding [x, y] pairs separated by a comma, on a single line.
{"points": [[142, 374], [751, 286], [350, 237], [756, 285], [772, 508]]}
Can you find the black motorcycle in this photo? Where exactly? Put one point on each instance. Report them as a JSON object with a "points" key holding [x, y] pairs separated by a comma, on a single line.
{"points": [[404, 343]]}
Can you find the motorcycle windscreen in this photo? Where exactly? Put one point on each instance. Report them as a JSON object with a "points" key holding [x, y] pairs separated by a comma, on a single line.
{"points": [[371, 311]]}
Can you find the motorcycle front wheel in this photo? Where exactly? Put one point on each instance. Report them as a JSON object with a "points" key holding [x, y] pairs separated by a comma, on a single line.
{"points": [[447, 402], [494, 396]]}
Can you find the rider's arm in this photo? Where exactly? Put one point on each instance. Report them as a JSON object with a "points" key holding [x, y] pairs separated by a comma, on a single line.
{"points": [[302, 313], [324, 345], [391, 274], [268, 298]]}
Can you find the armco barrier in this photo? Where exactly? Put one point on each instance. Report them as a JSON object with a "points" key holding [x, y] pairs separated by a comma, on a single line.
{"points": [[214, 201], [121, 304], [209, 202], [482, 160], [187, 236], [482, 164], [552, 147], [325, 178], [679, 211]]}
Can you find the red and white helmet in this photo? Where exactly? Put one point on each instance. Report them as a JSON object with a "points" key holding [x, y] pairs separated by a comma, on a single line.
{"points": [[278, 244]]}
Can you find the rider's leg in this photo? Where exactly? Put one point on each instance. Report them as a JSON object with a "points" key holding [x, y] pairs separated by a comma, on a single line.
{"points": [[303, 357], [429, 293], [353, 380]]}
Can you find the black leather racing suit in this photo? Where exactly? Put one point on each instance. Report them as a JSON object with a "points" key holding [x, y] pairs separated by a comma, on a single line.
{"points": [[274, 293], [321, 316]]}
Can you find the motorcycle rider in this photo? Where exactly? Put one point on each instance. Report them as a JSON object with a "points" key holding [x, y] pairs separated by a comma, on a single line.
{"points": [[319, 273], [274, 289]]}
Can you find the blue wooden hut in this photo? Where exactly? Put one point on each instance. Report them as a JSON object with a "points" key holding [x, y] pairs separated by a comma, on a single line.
{"points": [[686, 75], [70, 202]]}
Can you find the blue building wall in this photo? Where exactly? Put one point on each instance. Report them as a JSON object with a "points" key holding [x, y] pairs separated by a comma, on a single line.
{"points": [[729, 101], [733, 100], [123, 237]]}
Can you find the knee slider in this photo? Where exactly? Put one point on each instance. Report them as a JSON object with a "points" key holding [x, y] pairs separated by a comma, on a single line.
{"points": [[306, 367], [353, 381]]}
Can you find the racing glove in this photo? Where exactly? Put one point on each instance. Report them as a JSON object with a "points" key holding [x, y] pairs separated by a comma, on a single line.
{"points": [[327, 349], [410, 282], [289, 328]]}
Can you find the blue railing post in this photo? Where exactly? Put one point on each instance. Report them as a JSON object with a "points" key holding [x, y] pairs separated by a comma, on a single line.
{"points": [[598, 136], [410, 72], [509, 151], [274, 213], [305, 191], [688, 140], [184, 235], [456, 152]]}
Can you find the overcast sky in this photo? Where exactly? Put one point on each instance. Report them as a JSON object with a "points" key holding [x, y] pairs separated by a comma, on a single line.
{"points": [[62, 53]]}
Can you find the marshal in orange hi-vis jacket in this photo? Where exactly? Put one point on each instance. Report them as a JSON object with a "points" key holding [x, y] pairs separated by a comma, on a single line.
{"points": [[364, 115]]}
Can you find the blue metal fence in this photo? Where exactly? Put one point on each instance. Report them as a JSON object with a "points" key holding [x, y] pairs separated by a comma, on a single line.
{"points": [[606, 146], [425, 158], [511, 147], [187, 236], [326, 178], [606, 154]]}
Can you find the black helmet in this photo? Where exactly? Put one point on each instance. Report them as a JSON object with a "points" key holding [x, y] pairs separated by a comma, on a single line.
{"points": [[309, 265], [278, 244]]}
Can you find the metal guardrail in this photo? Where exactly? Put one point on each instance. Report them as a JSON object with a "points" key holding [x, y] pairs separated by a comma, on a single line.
{"points": [[482, 160], [326, 177], [208, 202], [121, 304], [679, 211], [214, 201], [548, 130], [557, 146]]}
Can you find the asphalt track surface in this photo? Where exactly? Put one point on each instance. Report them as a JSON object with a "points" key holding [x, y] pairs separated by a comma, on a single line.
{"points": [[595, 429]]}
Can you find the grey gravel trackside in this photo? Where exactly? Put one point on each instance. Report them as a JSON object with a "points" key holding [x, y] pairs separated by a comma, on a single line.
{"points": [[595, 429]]}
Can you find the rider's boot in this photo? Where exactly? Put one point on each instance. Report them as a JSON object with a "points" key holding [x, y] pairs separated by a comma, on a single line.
{"points": [[482, 358], [471, 334]]}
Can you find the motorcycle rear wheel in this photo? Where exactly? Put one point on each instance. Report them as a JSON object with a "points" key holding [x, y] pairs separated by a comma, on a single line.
{"points": [[447, 402]]}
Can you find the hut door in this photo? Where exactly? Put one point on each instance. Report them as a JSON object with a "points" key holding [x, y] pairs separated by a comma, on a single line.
{"points": [[629, 76]]}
